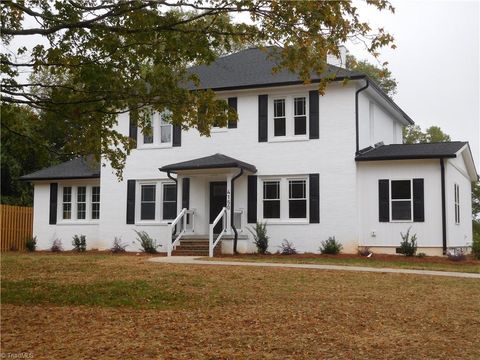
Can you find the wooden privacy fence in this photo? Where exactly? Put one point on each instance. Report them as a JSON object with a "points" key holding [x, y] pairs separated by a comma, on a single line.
{"points": [[15, 227]]}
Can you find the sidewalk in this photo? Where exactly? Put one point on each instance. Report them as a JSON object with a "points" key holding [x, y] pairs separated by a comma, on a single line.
{"points": [[191, 260]]}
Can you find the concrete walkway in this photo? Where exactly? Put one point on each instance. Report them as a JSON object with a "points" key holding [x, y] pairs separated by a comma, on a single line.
{"points": [[192, 260]]}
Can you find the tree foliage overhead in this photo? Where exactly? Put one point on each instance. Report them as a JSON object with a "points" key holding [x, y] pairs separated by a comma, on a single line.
{"points": [[381, 75], [105, 57], [413, 134]]}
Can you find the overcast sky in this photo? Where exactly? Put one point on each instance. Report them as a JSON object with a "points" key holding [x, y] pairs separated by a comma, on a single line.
{"points": [[436, 63]]}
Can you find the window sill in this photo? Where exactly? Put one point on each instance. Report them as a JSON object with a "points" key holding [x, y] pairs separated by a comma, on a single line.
{"points": [[77, 222], [155, 146], [401, 221], [218, 130], [288, 139], [286, 222]]}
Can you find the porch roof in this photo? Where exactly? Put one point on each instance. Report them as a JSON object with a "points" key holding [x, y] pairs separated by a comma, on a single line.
{"points": [[216, 161]]}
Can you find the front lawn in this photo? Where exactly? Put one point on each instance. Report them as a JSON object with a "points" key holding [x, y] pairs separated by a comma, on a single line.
{"points": [[113, 306], [377, 260]]}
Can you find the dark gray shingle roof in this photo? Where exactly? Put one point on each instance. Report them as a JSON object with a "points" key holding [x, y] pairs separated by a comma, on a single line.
{"points": [[79, 168], [216, 161], [252, 68], [411, 151]]}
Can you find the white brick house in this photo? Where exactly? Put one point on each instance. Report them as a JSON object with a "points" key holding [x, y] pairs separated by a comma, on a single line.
{"points": [[304, 163]]}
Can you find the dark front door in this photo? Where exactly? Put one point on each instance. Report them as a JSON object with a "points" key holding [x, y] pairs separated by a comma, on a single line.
{"points": [[218, 200]]}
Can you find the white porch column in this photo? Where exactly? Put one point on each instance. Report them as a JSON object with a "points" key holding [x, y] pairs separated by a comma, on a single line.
{"points": [[229, 203]]}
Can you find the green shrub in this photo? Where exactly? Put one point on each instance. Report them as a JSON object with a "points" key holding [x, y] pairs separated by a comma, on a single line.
{"points": [[476, 239], [331, 246], [287, 248], [31, 243], [79, 243], [118, 246], [260, 238], [56, 245], [421, 255], [408, 246], [147, 244], [364, 251]]}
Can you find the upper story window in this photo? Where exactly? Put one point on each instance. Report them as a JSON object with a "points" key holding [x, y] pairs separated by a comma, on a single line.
{"points": [[289, 117], [157, 134], [401, 200], [456, 189], [80, 203]]}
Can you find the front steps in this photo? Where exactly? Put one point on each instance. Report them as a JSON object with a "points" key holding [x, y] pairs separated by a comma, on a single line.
{"points": [[195, 247]]}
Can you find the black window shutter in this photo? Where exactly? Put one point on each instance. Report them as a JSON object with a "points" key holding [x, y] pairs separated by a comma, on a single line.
{"points": [[232, 102], [133, 125], [383, 200], [314, 198], [418, 203], [185, 193], [313, 116], [262, 118], [53, 203], [177, 135], [252, 199], [131, 202]]}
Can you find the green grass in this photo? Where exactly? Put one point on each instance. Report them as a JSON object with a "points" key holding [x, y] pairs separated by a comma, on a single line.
{"points": [[368, 262]]}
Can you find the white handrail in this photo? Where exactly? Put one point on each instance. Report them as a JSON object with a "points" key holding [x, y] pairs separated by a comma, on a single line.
{"points": [[211, 244], [172, 225]]}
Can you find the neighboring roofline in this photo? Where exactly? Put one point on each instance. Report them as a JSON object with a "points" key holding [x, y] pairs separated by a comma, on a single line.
{"points": [[470, 166], [59, 178], [405, 157]]}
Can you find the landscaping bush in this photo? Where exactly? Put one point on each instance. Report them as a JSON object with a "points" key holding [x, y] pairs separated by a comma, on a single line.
{"points": [[364, 251], [421, 255], [287, 248], [79, 243], [408, 246], [476, 239], [148, 244], [31, 243], [260, 238], [456, 254], [331, 246], [118, 246], [56, 246]]}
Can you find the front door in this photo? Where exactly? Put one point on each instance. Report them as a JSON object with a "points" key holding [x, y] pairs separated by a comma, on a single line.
{"points": [[218, 200]]}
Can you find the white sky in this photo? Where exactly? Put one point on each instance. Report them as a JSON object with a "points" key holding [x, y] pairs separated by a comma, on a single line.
{"points": [[436, 63]]}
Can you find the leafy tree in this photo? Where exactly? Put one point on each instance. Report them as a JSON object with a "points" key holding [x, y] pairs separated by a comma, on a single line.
{"points": [[107, 57], [413, 134], [382, 76]]}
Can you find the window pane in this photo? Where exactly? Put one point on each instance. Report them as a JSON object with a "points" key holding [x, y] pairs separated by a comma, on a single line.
{"points": [[297, 189], [300, 106], [67, 194], [300, 125], [148, 192], [96, 211], [401, 210], [96, 194], [279, 108], [297, 209], [166, 134], [279, 127], [401, 189], [81, 194], [169, 192], [81, 210], [271, 209], [271, 190], [169, 210], [67, 211], [148, 211]]}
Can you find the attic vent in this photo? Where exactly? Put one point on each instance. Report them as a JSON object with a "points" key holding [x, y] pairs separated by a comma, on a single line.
{"points": [[378, 144]]}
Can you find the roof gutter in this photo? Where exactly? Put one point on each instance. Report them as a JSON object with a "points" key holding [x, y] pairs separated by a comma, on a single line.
{"points": [[232, 210], [357, 131]]}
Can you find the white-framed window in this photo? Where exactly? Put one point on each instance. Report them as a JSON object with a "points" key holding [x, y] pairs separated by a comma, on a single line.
{"points": [[80, 203], [158, 134], [95, 202], [456, 190], [401, 200], [284, 198], [147, 202], [289, 117], [156, 201], [67, 203]]}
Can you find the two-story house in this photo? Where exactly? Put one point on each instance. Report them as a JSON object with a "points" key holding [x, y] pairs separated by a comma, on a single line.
{"points": [[310, 166]]}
